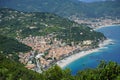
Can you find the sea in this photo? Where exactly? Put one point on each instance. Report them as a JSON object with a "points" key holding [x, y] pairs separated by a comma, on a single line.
{"points": [[108, 53]]}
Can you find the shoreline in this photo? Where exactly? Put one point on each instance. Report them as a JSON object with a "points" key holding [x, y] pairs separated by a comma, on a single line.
{"points": [[103, 26], [66, 61], [72, 58]]}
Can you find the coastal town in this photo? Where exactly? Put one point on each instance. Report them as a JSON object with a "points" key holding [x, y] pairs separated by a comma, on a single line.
{"points": [[47, 50], [97, 22]]}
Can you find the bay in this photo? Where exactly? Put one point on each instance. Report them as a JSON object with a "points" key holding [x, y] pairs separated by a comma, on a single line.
{"points": [[110, 52]]}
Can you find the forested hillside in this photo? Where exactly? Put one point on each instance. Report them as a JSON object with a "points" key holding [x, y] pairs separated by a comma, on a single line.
{"points": [[10, 45], [20, 24]]}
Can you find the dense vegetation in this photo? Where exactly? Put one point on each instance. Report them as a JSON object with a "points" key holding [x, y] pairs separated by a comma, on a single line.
{"points": [[79, 34], [67, 8], [21, 24], [15, 23], [9, 45], [10, 70]]}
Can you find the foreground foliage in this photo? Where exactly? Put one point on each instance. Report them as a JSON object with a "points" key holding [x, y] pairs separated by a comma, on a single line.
{"points": [[10, 70]]}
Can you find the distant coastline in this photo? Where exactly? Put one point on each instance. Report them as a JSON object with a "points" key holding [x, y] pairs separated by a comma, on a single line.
{"points": [[66, 61], [106, 26]]}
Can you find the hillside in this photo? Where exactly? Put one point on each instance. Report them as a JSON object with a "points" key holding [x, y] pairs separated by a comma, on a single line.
{"points": [[25, 24], [12, 70], [67, 8], [20, 24], [9, 45]]}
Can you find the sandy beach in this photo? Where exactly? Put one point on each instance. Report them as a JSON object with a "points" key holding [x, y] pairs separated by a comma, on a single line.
{"points": [[105, 26], [68, 60]]}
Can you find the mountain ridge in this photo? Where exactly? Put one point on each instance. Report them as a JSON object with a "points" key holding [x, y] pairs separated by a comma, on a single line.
{"points": [[66, 8]]}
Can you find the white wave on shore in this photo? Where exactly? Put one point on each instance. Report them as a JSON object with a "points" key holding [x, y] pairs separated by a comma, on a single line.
{"points": [[68, 60]]}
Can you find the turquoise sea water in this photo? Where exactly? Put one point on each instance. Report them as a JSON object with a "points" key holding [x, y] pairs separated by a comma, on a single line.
{"points": [[110, 52]]}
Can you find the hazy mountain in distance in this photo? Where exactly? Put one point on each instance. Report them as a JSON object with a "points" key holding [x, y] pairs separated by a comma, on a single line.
{"points": [[66, 8]]}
